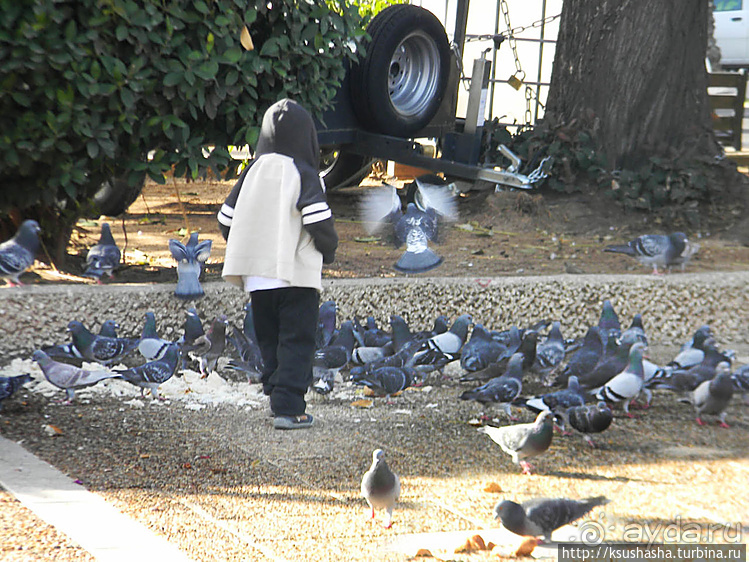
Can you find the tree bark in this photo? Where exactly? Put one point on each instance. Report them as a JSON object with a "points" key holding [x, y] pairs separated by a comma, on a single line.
{"points": [[639, 67]]}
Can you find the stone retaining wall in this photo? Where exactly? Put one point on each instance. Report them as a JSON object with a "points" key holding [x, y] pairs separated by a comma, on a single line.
{"points": [[672, 305]]}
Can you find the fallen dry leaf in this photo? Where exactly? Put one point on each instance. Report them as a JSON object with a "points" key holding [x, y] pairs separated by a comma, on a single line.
{"points": [[362, 403], [526, 547], [472, 544], [492, 488], [52, 430]]}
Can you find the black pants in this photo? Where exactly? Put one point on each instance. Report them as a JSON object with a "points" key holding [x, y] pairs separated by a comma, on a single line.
{"points": [[285, 323]]}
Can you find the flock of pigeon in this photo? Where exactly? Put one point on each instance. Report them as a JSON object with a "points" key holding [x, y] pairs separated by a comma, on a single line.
{"points": [[103, 258], [606, 369]]}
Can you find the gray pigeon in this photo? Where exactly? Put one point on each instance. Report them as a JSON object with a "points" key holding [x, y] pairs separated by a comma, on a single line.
{"points": [[326, 323], [109, 328], [609, 323], [610, 366], [560, 401], [594, 418], [636, 330], [712, 397], [741, 383], [657, 250], [192, 330], [550, 352], [431, 206], [104, 256], [502, 390], [69, 377], [385, 381], [211, 345], [9, 385], [625, 386], [150, 375], [480, 350], [18, 253], [190, 258], [540, 517], [150, 345], [329, 360], [525, 440], [381, 487], [102, 349], [250, 360], [585, 358], [451, 341]]}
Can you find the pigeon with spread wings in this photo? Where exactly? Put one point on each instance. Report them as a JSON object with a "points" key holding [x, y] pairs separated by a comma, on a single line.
{"points": [[430, 206]]}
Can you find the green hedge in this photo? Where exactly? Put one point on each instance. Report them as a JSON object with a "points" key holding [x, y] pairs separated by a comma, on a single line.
{"points": [[89, 87]]}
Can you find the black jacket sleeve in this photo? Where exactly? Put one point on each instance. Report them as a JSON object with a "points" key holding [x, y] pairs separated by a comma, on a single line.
{"points": [[317, 217], [226, 213]]}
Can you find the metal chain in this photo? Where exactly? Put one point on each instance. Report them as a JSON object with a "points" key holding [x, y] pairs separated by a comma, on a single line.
{"points": [[515, 30], [542, 171], [511, 40]]}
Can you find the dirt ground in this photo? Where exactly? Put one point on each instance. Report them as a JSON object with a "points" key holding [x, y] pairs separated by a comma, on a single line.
{"points": [[505, 233]]}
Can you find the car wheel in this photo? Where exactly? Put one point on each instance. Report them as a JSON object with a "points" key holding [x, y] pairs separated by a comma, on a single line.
{"points": [[116, 195], [339, 168], [399, 85]]}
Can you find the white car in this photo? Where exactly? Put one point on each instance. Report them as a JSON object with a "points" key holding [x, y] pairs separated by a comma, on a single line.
{"points": [[732, 32]]}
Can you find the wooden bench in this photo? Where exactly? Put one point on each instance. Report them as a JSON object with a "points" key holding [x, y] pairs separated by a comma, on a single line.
{"points": [[727, 93]]}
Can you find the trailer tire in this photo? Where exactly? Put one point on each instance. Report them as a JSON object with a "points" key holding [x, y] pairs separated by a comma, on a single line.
{"points": [[339, 168], [399, 85]]}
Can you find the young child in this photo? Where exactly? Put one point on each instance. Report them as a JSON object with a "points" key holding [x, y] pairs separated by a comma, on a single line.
{"points": [[279, 231]]}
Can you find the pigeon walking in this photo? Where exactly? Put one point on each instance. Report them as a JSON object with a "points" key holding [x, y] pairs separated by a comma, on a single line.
{"points": [[385, 381], [9, 385], [559, 402], [192, 330], [150, 345], [584, 359], [380, 486], [190, 258], [103, 257], [594, 418], [18, 253], [712, 397], [658, 250], [250, 360], [98, 348], [550, 352], [69, 377], [524, 441], [502, 390], [540, 517], [150, 375]]}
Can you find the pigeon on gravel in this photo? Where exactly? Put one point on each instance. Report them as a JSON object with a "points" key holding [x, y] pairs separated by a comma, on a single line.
{"points": [[524, 441], [98, 348], [594, 418], [584, 359], [609, 367], [540, 517], [109, 328], [9, 385], [150, 375], [609, 323], [329, 360], [657, 250], [250, 360], [502, 390], [190, 258], [326, 324], [451, 341], [636, 330], [211, 346], [432, 206], [712, 397], [625, 386], [150, 345], [103, 257], [18, 253], [480, 350], [374, 336], [69, 377], [680, 380], [550, 352], [741, 383], [558, 402], [385, 381], [381, 487], [192, 330]]}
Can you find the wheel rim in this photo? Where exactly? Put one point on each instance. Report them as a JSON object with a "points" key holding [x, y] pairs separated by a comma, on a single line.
{"points": [[413, 76]]}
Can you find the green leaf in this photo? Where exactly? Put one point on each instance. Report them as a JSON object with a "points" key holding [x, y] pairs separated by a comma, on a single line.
{"points": [[202, 7], [233, 55], [172, 79], [92, 147], [207, 70]]}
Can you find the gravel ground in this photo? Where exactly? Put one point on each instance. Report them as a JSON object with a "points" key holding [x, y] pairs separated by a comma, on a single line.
{"points": [[221, 484]]}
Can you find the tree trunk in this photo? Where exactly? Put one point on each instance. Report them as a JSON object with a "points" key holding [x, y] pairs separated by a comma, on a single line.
{"points": [[639, 67]]}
